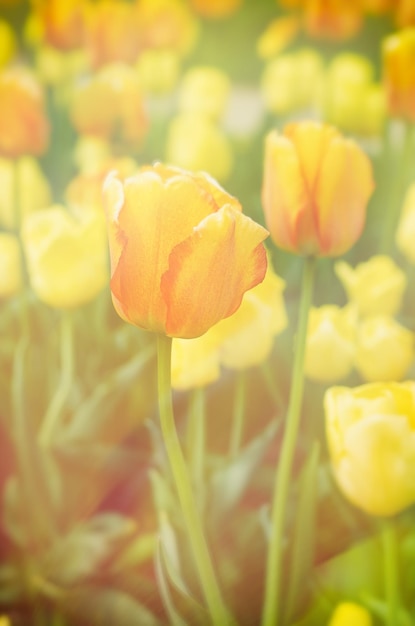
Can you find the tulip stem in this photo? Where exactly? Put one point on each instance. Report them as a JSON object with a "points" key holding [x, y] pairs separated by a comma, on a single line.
{"points": [[57, 403], [238, 415], [195, 441], [390, 567], [274, 563], [218, 612]]}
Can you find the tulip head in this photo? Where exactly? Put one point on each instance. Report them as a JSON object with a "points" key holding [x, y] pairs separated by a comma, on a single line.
{"points": [[371, 437], [182, 253], [399, 73], [315, 189]]}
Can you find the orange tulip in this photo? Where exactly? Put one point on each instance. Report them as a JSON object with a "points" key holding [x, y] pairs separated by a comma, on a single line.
{"points": [[315, 189], [399, 73], [333, 19], [62, 22], [216, 9], [182, 252], [24, 128]]}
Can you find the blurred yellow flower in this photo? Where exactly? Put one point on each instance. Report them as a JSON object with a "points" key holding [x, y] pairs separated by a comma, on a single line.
{"points": [[11, 278], [331, 343], [376, 286], [158, 70], [195, 143], [204, 90], [62, 22], [350, 614], [215, 9], [27, 178], [399, 73], [405, 233], [67, 255], [279, 33], [371, 437], [243, 340], [350, 98], [385, 349], [7, 43], [4, 621], [56, 67]]}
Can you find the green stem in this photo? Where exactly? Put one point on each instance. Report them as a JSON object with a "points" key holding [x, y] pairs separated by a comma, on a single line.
{"points": [[57, 403], [275, 552], [238, 420], [196, 436], [219, 614], [390, 568]]}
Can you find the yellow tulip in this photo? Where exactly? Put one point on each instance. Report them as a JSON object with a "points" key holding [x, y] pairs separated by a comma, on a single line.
{"points": [[376, 286], [385, 349], [7, 43], [204, 90], [399, 73], [350, 614], [196, 143], [331, 343], [32, 190], [371, 438], [316, 186], [405, 233], [182, 252], [11, 278], [158, 70], [66, 255]]}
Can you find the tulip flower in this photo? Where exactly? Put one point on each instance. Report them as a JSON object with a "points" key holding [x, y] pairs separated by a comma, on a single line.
{"points": [[66, 255], [371, 437], [315, 189], [204, 90], [158, 70], [399, 73], [376, 286], [331, 343], [62, 22], [385, 349], [11, 277], [182, 252], [405, 232], [7, 43], [350, 613], [404, 13], [24, 128], [332, 19]]}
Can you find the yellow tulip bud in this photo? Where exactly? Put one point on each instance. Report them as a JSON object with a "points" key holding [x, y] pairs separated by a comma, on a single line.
{"points": [[158, 70], [331, 341], [11, 280], [350, 614], [66, 255], [195, 143], [385, 349], [204, 90], [7, 43], [371, 438], [375, 286], [406, 228], [33, 189]]}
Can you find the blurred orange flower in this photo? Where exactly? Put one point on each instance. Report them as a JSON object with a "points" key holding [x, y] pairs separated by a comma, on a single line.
{"points": [[62, 22], [405, 13], [24, 128], [182, 252], [332, 19], [216, 9], [315, 189], [399, 73]]}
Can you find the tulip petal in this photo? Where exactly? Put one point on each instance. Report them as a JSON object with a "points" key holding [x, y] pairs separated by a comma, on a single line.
{"points": [[210, 271], [154, 218]]}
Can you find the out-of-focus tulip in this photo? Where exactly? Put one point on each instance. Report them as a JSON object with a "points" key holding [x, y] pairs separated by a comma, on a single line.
{"points": [[331, 343], [385, 349], [332, 19], [66, 255], [375, 286], [62, 22], [24, 128], [30, 184], [196, 143], [4, 620], [399, 73], [57, 67], [315, 189], [111, 105], [277, 35], [166, 24], [111, 32], [215, 9], [204, 90], [350, 613], [290, 82], [404, 13], [405, 233], [182, 252], [7, 43], [11, 278], [243, 340], [371, 437], [158, 70], [378, 6], [350, 98]]}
